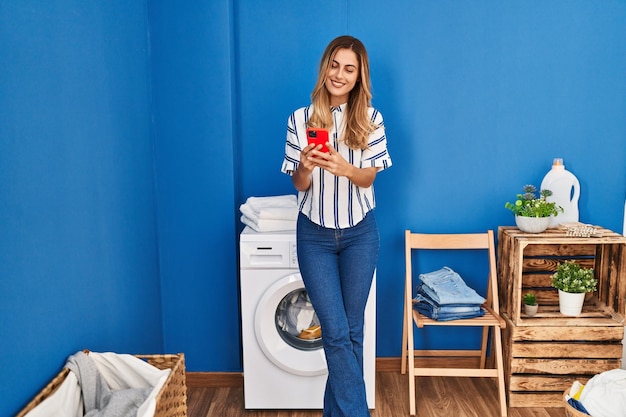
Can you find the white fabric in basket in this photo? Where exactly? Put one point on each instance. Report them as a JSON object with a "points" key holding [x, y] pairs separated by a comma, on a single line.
{"points": [[120, 371], [604, 395], [65, 402]]}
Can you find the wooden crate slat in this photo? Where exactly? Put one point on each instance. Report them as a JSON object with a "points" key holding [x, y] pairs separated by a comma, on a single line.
{"points": [[611, 265], [524, 382], [572, 333], [549, 265], [619, 272], [564, 250], [537, 280], [562, 366], [546, 298], [507, 255], [591, 318], [566, 350], [546, 400]]}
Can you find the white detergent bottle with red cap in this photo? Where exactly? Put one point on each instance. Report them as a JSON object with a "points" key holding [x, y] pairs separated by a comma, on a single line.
{"points": [[565, 192]]}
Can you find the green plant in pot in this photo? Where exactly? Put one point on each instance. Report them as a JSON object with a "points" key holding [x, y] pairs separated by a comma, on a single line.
{"points": [[573, 282], [532, 212], [530, 304]]}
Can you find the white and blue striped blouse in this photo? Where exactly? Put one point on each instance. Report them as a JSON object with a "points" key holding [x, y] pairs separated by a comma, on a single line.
{"points": [[331, 201]]}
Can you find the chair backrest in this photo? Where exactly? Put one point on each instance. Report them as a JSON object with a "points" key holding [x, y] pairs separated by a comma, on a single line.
{"points": [[453, 241]]}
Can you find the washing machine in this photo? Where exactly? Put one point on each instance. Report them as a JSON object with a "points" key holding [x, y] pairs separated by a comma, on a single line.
{"points": [[283, 360]]}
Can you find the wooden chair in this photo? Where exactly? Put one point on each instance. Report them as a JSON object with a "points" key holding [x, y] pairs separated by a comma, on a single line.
{"points": [[491, 320]]}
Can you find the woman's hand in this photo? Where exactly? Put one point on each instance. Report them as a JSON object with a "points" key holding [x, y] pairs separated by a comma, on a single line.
{"points": [[308, 157], [333, 162], [301, 177]]}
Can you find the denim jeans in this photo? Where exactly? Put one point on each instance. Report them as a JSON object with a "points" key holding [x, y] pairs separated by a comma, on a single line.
{"points": [[426, 306], [445, 286], [337, 267]]}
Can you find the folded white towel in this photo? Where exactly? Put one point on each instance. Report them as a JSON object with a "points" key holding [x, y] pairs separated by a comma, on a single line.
{"points": [[283, 207], [289, 200], [269, 225], [278, 213], [275, 213]]}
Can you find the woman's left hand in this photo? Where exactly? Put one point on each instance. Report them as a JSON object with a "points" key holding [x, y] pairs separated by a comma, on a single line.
{"points": [[333, 162]]}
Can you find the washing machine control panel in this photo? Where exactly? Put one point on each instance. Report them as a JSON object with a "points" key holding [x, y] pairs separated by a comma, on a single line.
{"points": [[268, 254], [293, 259]]}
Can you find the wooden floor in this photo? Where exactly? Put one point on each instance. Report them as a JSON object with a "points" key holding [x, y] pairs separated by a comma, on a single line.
{"points": [[439, 397]]}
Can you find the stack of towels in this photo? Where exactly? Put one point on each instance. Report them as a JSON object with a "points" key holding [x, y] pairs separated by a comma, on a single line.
{"points": [[270, 214], [444, 296]]}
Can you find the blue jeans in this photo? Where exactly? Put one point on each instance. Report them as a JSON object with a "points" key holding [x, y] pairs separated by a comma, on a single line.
{"points": [[337, 267], [446, 312], [445, 286]]}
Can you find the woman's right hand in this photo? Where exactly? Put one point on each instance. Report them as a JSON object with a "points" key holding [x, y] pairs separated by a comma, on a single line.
{"points": [[307, 158], [301, 178]]}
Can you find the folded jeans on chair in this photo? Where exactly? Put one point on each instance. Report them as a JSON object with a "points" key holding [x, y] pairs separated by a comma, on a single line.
{"points": [[445, 286], [428, 307]]}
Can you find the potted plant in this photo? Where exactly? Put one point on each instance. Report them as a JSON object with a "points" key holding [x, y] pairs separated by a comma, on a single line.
{"points": [[532, 213], [530, 304], [573, 282]]}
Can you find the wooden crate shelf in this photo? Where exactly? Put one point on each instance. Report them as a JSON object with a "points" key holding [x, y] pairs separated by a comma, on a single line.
{"points": [[546, 353]]}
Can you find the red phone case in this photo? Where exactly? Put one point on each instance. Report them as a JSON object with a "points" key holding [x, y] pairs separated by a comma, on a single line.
{"points": [[318, 136]]}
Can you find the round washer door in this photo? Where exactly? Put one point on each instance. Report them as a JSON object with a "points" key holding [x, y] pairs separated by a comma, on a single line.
{"points": [[294, 359]]}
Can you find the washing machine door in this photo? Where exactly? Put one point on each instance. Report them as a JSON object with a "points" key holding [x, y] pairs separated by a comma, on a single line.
{"points": [[287, 329]]}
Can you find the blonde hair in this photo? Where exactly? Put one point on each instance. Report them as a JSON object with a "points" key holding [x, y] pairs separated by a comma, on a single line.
{"points": [[357, 120]]}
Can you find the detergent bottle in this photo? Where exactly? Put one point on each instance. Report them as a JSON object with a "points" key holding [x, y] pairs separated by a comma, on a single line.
{"points": [[565, 192]]}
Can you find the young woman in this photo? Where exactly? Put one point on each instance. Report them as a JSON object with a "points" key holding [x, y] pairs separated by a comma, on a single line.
{"points": [[337, 235]]}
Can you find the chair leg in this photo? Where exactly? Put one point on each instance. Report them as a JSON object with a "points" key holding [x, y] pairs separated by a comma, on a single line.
{"points": [[412, 392], [500, 367], [408, 355], [483, 348], [404, 342]]}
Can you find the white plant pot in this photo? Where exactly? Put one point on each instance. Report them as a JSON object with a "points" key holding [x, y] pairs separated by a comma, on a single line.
{"points": [[532, 224], [530, 310], [571, 304]]}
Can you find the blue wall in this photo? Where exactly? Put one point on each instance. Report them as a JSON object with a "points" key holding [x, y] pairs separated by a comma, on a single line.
{"points": [[130, 134], [193, 110], [78, 243]]}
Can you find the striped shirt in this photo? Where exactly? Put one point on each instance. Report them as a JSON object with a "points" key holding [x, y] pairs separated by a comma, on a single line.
{"points": [[331, 201]]}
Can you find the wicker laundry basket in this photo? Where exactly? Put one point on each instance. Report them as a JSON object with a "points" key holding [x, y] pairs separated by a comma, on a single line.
{"points": [[171, 401], [569, 410]]}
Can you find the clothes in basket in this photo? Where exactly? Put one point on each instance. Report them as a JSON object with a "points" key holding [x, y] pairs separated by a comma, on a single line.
{"points": [[103, 385]]}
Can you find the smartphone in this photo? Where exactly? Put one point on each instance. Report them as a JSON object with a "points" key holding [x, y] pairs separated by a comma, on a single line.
{"points": [[317, 136]]}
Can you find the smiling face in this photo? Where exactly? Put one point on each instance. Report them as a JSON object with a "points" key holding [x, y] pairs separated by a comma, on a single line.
{"points": [[342, 76]]}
